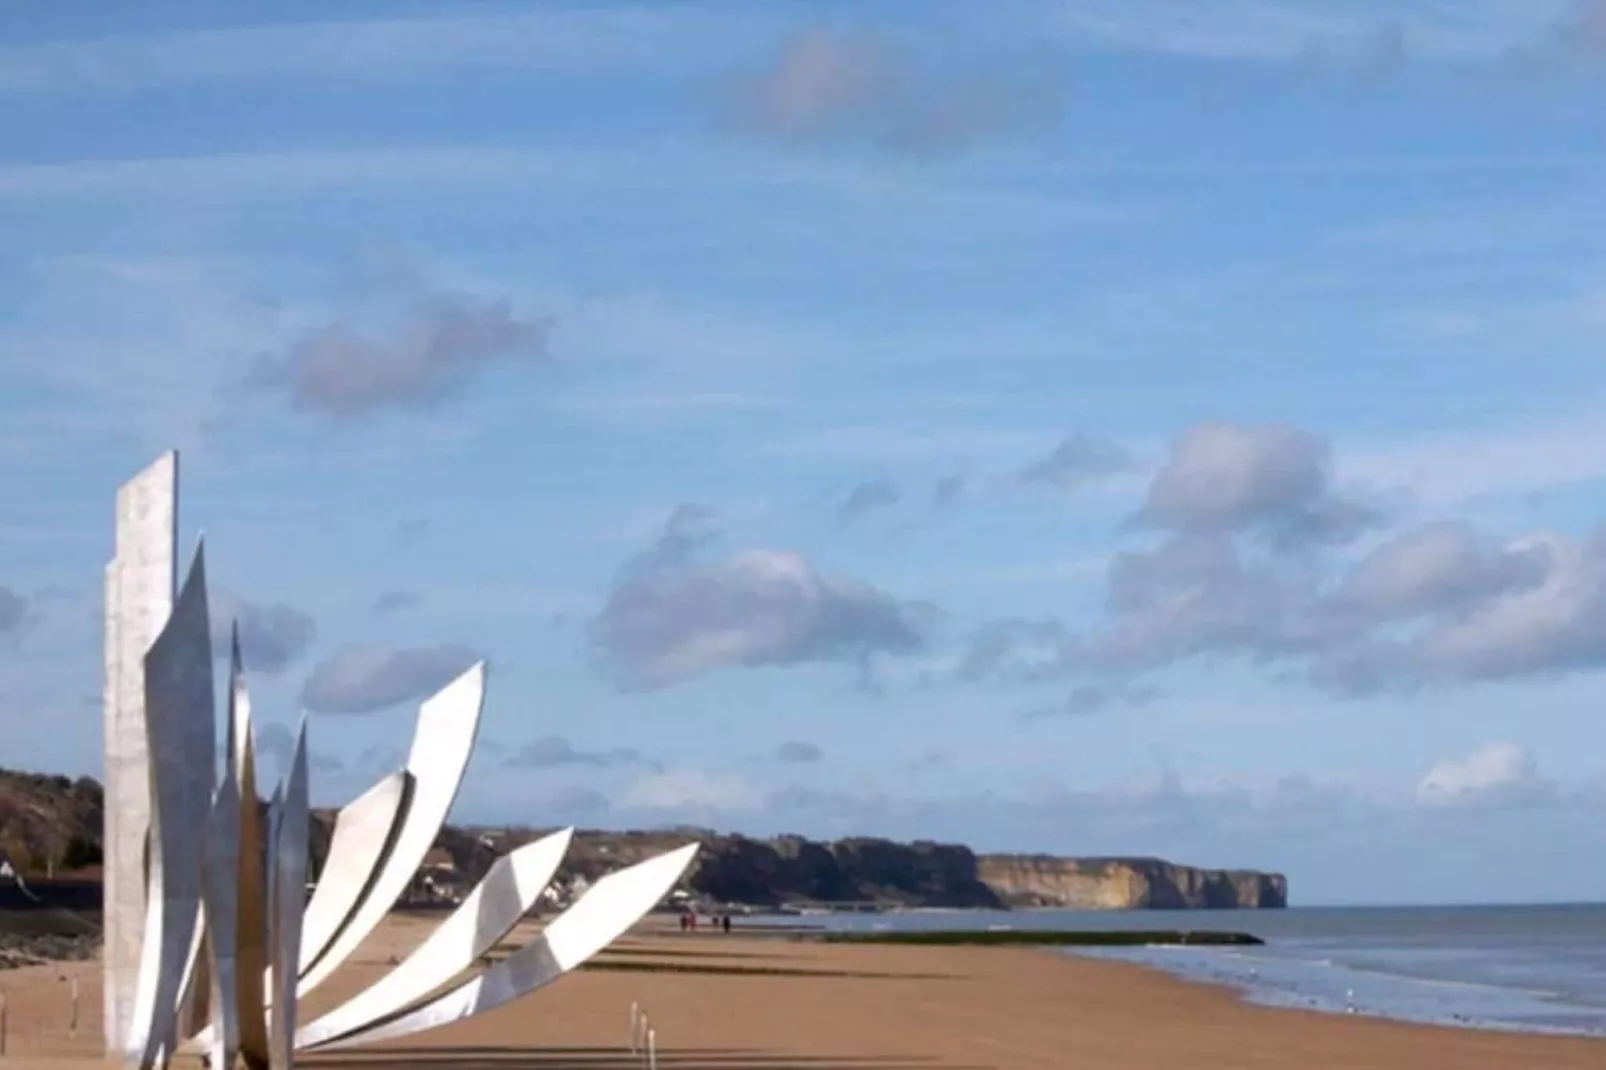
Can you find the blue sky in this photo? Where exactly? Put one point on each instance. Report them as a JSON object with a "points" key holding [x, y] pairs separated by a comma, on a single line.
{"points": [[1103, 427]]}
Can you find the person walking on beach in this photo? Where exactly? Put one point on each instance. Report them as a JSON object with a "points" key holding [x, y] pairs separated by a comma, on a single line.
{"points": [[725, 924]]}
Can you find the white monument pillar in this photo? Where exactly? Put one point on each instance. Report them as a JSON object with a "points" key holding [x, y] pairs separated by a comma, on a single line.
{"points": [[140, 584]]}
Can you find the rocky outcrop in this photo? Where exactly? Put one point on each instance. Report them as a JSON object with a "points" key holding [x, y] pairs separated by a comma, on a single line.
{"points": [[1127, 884]]}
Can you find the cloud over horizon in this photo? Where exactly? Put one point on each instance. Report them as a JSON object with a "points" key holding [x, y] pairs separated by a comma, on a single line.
{"points": [[272, 636], [799, 752], [13, 611], [868, 497], [1256, 562], [552, 752], [1271, 479], [1078, 460], [1496, 773], [366, 678], [672, 616]]}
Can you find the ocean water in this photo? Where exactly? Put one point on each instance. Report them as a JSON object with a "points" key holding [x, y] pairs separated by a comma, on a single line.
{"points": [[1526, 968]]}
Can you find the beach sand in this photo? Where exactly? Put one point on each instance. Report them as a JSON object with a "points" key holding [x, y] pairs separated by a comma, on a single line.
{"points": [[756, 1003]]}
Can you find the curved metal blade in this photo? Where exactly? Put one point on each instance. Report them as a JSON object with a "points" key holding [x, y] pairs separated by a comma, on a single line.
{"points": [[488, 914], [613, 905]]}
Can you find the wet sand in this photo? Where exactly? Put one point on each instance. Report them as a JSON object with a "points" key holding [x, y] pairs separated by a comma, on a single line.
{"points": [[753, 1003]]}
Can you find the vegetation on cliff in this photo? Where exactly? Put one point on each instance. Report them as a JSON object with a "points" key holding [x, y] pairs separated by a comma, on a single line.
{"points": [[50, 823], [794, 871], [54, 824]]}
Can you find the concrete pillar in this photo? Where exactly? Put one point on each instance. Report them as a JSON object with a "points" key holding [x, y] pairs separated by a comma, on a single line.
{"points": [[140, 584]]}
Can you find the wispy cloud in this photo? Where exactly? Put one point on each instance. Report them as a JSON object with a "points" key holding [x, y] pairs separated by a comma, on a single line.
{"points": [[866, 498], [1454, 468], [1294, 29], [551, 752], [600, 40], [236, 174], [831, 86], [1078, 460]]}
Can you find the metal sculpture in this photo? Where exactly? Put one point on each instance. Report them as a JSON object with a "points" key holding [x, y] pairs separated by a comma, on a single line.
{"points": [[602, 915], [363, 832], [287, 894], [206, 908], [182, 746], [442, 745], [478, 924], [250, 898]]}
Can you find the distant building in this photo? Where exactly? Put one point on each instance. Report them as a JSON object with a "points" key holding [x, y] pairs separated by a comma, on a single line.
{"points": [[438, 880]]}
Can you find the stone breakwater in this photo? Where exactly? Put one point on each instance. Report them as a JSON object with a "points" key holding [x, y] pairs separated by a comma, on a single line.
{"points": [[17, 951]]}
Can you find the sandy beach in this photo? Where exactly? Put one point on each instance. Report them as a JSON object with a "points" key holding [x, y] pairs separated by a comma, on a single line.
{"points": [[755, 1003]]}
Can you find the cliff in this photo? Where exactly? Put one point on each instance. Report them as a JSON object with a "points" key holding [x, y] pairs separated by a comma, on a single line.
{"points": [[734, 869], [797, 871], [1127, 884], [54, 823], [49, 822]]}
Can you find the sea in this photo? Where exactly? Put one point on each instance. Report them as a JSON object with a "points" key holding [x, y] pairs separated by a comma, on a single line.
{"points": [[1538, 969]]}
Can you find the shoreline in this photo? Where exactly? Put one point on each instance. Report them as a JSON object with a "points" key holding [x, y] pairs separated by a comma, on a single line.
{"points": [[1148, 950], [1238, 999], [1247, 994], [748, 1003], [1524, 970]]}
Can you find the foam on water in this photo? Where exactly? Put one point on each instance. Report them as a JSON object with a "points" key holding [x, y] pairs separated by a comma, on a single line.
{"points": [[1528, 968], [1299, 978]]}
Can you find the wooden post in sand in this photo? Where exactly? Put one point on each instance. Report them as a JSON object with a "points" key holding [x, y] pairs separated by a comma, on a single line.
{"points": [[2, 1024], [652, 1049], [635, 1020], [72, 1022]]}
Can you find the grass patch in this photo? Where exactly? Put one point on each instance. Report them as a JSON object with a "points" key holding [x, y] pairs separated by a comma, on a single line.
{"points": [[1041, 938]]}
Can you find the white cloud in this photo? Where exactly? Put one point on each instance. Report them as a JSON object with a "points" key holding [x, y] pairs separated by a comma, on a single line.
{"points": [[670, 617], [1496, 771], [1554, 624], [1224, 476], [1439, 566], [690, 789]]}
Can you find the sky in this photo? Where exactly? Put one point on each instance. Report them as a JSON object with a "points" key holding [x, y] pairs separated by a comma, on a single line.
{"points": [[1084, 426]]}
